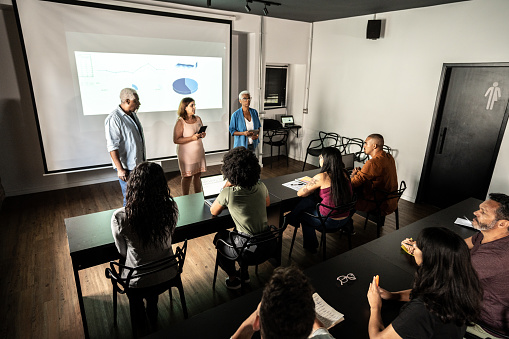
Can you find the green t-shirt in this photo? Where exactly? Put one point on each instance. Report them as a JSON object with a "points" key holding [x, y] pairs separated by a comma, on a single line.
{"points": [[247, 207]]}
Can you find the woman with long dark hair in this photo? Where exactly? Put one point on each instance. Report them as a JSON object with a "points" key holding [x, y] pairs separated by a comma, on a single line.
{"points": [[332, 188], [143, 228], [190, 151], [446, 295]]}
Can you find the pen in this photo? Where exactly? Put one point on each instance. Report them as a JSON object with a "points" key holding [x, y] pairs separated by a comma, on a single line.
{"points": [[467, 218]]}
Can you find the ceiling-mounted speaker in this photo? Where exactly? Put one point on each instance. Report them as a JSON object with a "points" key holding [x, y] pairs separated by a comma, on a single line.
{"points": [[374, 29]]}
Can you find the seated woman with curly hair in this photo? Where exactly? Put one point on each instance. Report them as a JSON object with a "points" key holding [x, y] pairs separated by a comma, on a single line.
{"points": [[143, 228], [446, 294], [246, 198]]}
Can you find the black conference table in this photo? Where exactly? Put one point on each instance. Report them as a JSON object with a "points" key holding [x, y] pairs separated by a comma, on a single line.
{"points": [[91, 241], [382, 256]]}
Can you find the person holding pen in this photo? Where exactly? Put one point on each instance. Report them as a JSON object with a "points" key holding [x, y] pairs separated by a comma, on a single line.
{"points": [[245, 124], [446, 294]]}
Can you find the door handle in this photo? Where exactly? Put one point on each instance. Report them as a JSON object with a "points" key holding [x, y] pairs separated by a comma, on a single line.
{"points": [[442, 140]]}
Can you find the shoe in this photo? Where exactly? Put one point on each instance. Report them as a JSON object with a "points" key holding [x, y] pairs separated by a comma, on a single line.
{"points": [[233, 284], [245, 277], [311, 250]]}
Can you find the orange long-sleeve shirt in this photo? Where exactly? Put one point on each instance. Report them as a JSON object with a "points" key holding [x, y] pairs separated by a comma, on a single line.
{"points": [[380, 173]]}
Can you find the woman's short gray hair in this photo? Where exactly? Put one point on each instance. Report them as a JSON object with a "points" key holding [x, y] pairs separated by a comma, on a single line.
{"points": [[244, 93], [127, 93]]}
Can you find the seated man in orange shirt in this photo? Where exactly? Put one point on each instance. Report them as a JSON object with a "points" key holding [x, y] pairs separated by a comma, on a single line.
{"points": [[377, 173]]}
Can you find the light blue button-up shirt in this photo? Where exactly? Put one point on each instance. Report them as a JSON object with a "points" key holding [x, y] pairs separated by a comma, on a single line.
{"points": [[125, 134]]}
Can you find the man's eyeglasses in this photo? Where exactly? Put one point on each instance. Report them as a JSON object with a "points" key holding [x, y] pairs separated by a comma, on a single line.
{"points": [[343, 279], [245, 99]]}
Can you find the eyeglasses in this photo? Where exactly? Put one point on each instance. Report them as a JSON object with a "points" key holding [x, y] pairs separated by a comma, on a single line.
{"points": [[343, 279], [245, 99]]}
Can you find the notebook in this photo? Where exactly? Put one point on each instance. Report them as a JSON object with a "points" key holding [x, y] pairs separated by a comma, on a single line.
{"points": [[212, 186], [287, 120]]}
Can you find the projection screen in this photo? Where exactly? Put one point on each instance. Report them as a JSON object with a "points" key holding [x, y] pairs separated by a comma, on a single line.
{"points": [[80, 55]]}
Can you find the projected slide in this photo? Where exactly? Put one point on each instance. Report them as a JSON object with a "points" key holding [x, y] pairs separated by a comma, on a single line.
{"points": [[161, 80]]}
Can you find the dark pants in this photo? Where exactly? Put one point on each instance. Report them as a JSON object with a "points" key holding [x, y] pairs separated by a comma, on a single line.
{"points": [[305, 214]]}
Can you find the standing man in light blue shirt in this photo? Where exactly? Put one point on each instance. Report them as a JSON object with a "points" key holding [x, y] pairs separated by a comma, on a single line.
{"points": [[124, 136]]}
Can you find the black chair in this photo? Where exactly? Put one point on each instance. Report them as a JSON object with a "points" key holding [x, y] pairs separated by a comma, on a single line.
{"points": [[325, 139], [266, 244], [121, 285], [275, 135], [380, 197], [347, 229], [355, 146]]}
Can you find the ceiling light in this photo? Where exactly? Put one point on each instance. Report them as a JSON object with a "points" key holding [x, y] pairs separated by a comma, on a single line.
{"points": [[248, 9], [209, 3], [265, 11]]}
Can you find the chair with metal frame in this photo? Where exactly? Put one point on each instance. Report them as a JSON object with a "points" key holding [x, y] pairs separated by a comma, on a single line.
{"points": [[121, 285], [325, 139], [266, 245], [275, 135], [346, 229], [380, 197], [355, 146]]}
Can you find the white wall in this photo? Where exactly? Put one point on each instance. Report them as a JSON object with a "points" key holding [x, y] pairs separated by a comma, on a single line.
{"points": [[21, 167], [390, 86]]}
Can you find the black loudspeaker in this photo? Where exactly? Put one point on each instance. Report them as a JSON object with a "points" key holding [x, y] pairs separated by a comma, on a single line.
{"points": [[374, 29]]}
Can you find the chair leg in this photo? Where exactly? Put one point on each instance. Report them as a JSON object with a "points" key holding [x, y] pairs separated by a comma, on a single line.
{"points": [[305, 158], [366, 221], [215, 272], [397, 218], [379, 224], [114, 307], [293, 241], [270, 156], [182, 297], [324, 244], [278, 152], [286, 150]]}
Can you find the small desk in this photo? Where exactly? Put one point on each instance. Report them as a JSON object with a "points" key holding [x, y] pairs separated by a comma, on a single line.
{"points": [[381, 256]]}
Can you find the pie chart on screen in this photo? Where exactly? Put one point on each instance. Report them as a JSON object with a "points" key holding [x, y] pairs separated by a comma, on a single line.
{"points": [[185, 86]]}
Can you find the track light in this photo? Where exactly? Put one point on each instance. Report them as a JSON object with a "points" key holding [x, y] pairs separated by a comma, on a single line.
{"points": [[265, 10], [209, 3], [248, 9]]}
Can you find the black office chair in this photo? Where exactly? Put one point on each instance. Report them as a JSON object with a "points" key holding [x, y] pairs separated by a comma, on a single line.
{"points": [[325, 139], [380, 197], [275, 135], [121, 285], [346, 229], [264, 245]]}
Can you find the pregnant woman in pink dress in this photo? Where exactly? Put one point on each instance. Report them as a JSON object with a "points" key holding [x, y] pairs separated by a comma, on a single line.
{"points": [[190, 152]]}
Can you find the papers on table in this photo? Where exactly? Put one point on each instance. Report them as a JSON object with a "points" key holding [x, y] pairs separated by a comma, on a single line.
{"points": [[295, 184], [325, 313], [463, 222]]}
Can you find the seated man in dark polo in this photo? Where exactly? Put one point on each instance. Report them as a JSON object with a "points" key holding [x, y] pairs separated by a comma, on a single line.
{"points": [[377, 173], [287, 309], [489, 250]]}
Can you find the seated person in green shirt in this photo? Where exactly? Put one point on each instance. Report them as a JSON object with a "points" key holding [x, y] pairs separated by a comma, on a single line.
{"points": [[246, 198]]}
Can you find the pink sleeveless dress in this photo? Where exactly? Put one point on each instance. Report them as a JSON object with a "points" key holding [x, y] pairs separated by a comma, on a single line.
{"points": [[191, 155]]}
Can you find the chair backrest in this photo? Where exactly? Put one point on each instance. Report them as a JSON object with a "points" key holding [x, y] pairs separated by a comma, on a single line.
{"points": [[355, 146], [259, 248], [114, 272], [381, 196], [329, 139], [336, 210], [271, 124]]}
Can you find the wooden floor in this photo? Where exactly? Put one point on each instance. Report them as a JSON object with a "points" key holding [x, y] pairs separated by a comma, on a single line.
{"points": [[37, 290]]}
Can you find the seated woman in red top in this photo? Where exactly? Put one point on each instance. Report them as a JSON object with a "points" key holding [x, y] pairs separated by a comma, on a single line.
{"points": [[332, 188]]}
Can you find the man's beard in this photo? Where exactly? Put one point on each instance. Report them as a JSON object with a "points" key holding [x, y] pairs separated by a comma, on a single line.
{"points": [[485, 227]]}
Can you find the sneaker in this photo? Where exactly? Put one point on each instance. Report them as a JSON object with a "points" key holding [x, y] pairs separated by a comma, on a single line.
{"points": [[232, 284]]}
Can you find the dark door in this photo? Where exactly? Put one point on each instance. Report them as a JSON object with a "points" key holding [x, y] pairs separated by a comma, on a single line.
{"points": [[469, 124]]}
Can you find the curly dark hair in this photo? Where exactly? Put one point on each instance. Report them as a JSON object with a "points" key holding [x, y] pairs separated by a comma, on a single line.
{"points": [[151, 211], [287, 309], [241, 168], [335, 168], [446, 281], [502, 212], [182, 107]]}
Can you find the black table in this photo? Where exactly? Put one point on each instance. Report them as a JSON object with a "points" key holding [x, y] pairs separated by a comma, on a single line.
{"points": [[381, 256]]}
